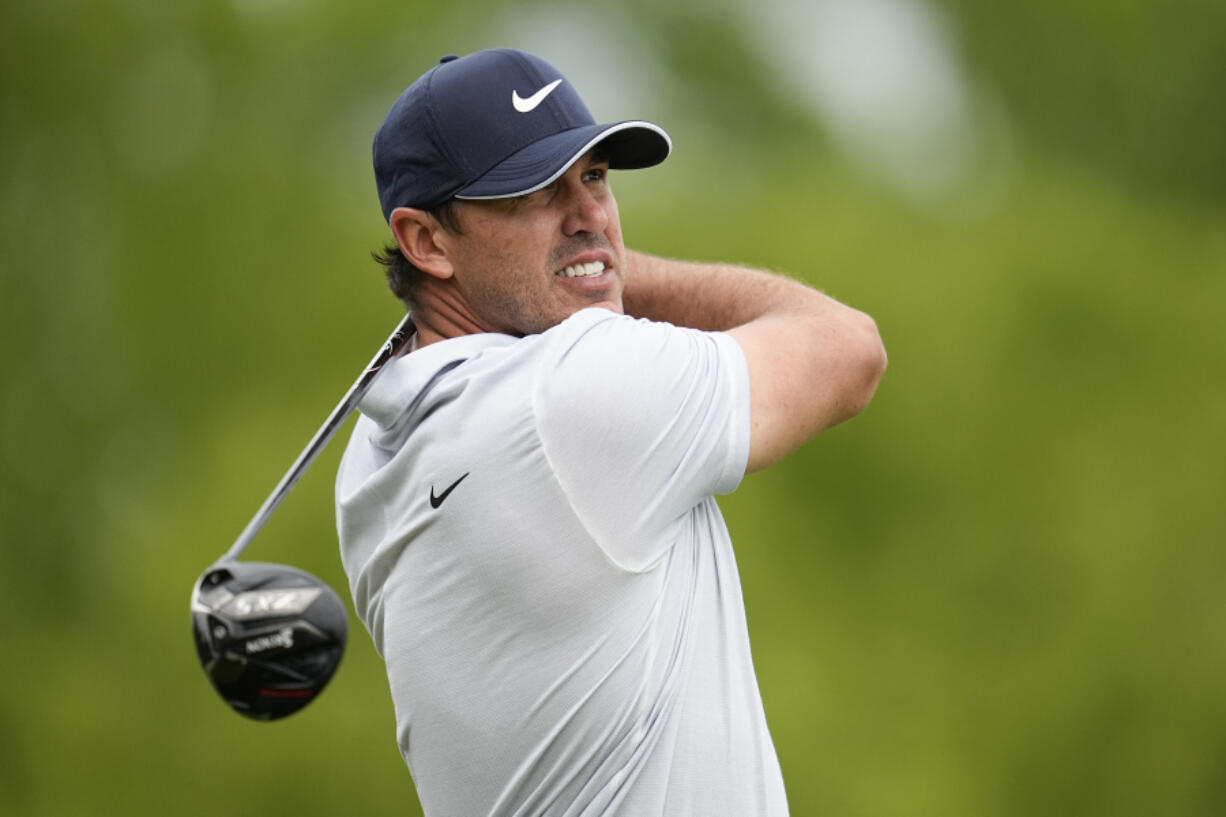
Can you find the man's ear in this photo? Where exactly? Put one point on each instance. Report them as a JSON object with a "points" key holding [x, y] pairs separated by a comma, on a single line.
{"points": [[416, 232]]}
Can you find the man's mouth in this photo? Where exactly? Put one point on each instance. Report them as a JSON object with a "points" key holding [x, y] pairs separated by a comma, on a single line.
{"points": [[588, 270]]}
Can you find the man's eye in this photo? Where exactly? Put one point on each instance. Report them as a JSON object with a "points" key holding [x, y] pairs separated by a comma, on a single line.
{"points": [[596, 174]]}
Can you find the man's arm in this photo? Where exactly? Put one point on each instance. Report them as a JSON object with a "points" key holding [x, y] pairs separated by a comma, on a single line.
{"points": [[813, 362]]}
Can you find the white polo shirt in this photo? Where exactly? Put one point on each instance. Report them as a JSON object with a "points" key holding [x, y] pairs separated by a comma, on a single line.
{"points": [[530, 534]]}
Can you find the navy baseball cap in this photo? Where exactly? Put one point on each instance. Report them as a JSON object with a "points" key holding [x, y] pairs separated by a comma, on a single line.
{"points": [[495, 124]]}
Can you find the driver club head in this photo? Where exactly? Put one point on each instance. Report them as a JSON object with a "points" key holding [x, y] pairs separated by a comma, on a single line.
{"points": [[269, 636]]}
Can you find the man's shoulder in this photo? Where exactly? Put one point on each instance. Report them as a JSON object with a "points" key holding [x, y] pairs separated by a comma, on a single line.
{"points": [[599, 357], [584, 320], [600, 329]]}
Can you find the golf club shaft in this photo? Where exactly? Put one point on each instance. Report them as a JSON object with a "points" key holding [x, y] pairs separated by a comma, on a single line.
{"points": [[337, 418]]}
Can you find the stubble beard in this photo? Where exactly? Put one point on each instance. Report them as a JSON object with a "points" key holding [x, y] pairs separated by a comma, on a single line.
{"points": [[520, 307]]}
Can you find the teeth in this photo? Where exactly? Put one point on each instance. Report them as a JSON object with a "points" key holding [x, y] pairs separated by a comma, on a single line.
{"points": [[583, 270]]}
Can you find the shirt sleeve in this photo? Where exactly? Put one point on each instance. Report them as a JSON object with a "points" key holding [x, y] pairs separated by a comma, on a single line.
{"points": [[641, 421]]}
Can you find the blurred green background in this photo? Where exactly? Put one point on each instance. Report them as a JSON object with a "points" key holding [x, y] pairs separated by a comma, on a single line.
{"points": [[997, 592]]}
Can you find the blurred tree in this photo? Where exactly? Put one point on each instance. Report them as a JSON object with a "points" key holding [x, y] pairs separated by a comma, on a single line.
{"points": [[1133, 87]]}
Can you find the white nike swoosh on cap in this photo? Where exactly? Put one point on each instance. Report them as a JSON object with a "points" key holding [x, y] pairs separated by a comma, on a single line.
{"points": [[527, 105]]}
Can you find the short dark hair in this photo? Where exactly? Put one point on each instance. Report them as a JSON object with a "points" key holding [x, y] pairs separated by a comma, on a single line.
{"points": [[403, 277]]}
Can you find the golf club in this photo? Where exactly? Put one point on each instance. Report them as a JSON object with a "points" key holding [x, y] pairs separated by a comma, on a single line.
{"points": [[269, 636]]}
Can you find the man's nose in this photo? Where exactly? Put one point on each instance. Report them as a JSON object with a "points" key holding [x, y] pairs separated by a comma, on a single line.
{"points": [[585, 213]]}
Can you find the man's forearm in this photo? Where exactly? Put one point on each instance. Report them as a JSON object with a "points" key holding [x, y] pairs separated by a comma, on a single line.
{"points": [[714, 297]]}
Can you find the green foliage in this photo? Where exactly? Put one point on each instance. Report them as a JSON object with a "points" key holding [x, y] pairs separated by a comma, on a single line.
{"points": [[996, 592], [1131, 87]]}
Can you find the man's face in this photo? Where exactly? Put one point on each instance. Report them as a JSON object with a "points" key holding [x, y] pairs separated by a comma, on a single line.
{"points": [[526, 264]]}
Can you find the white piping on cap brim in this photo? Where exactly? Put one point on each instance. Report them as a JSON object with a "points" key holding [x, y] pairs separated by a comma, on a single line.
{"points": [[600, 137]]}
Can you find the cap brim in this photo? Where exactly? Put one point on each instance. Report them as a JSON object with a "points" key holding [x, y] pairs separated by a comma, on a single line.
{"points": [[630, 145]]}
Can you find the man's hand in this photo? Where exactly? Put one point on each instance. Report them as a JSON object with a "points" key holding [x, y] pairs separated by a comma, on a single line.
{"points": [[813, 362]]}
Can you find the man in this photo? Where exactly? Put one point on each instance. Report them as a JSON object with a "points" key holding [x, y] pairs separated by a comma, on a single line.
{"points": [[526, 506]]}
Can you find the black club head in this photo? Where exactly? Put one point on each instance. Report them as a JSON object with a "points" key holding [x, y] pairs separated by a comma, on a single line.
{"points": [[269, 636]]}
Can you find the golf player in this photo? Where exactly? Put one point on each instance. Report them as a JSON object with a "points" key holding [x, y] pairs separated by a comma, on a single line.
{"points": [[526, 506]]}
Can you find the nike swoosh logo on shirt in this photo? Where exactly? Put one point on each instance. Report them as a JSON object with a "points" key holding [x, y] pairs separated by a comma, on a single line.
{"points": [[528, 105], [435, 501]]}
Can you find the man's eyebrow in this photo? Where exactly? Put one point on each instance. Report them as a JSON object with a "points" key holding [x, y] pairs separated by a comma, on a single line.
{"points": [[512, 203]]}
